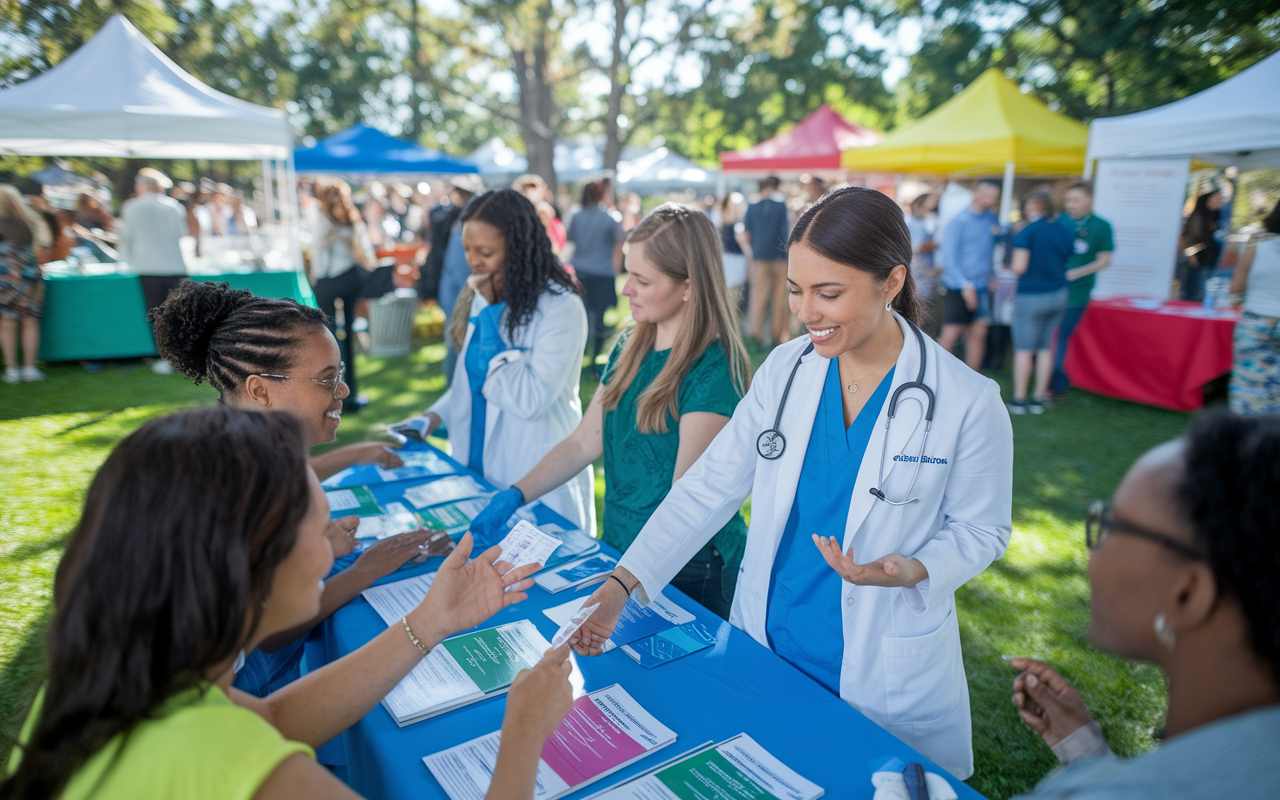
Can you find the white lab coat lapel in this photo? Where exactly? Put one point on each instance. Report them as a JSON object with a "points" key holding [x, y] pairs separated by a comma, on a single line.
{"points": [[904, 428], [797, 427]]}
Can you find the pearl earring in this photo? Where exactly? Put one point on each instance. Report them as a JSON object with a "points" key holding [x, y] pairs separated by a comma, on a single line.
{"points": [[888, 306], [1164, 631], [321, 584]]}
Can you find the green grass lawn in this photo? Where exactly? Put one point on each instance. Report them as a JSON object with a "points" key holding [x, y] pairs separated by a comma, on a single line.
{"points": [[53, 435]]}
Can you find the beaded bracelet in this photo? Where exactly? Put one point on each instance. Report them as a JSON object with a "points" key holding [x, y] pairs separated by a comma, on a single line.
{"points": [[416, 641]]}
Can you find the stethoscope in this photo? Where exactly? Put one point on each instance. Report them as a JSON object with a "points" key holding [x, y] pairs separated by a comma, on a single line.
{"points": [[772, 443]]}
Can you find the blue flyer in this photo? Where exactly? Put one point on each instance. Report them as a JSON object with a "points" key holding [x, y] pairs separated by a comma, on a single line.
{"points": [[670, 644]]}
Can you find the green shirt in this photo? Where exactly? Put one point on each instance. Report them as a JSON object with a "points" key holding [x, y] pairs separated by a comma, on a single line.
{"points": [[1092, 236], [638, 466], [199, 746]]}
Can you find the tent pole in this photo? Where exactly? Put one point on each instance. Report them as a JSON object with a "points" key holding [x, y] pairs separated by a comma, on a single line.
{"points": [[1006, 193], [295, 216], [268, 193]]}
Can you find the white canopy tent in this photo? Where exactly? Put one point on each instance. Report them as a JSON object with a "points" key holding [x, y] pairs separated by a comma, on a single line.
{"points": [[119, 96], [1231, 124]]}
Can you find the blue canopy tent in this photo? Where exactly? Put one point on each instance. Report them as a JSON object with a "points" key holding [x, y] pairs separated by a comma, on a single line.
{"points": [[364, 150]]}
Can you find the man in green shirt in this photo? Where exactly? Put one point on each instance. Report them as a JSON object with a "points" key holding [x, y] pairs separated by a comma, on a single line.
{"points": [[1091, 254]]}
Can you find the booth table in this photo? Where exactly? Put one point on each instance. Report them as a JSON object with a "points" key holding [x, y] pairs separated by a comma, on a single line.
{"points": [[97, 316], [734, 687], [1160, 353]]}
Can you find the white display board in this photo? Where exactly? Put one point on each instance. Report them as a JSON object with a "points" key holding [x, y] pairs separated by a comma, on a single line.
{"points": [[1142, 199]]}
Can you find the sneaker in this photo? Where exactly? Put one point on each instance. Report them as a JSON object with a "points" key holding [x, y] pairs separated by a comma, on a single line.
{"points": [[12, 375], [1047, 401], [161, 367], [1035, 405], [1017, 406], [30, 374]]}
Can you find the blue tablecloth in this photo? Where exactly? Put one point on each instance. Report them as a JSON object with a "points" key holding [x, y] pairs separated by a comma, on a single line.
{"points": [[737, 686]]}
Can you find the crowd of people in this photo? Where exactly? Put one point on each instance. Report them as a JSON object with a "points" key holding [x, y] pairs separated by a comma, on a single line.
{"points": [[158, 680]]}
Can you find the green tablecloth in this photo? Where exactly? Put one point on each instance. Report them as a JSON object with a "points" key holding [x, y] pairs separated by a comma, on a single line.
{"points": [[90, 317]]}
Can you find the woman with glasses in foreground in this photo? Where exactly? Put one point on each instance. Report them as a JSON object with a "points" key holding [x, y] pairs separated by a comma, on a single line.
{"points": [[202, 533], [274, 354], [1184, 570]]}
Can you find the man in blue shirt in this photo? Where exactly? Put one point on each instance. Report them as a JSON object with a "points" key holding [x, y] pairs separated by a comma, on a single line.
{"points": [[967, 251], [766, 227]]}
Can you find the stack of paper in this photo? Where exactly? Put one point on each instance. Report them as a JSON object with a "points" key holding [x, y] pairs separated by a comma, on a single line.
{"points": [[635, 622], [667, 646], [394, 600], [358, 500], [465, 669], [606, 731], [738, 769], [582, 572], [455, 517], [396, 520]]}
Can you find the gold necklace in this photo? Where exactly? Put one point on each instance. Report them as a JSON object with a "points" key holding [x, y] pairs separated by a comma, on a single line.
{"points": [[852, 386]]}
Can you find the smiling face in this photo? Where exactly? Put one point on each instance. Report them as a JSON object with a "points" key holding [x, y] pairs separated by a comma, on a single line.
{"points": [[486, 251], [1131, 578], [655, 296], [317, 408], [841, 306], [295, 587]]}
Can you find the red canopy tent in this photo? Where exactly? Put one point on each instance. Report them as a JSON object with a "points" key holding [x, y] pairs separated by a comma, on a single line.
{"points": [[814, 145]]}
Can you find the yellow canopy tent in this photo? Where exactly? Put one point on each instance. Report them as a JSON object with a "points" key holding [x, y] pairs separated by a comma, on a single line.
{"points": [[989, 127]]}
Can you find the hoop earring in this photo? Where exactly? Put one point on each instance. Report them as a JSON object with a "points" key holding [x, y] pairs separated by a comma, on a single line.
{"points": [[1164, 631]]}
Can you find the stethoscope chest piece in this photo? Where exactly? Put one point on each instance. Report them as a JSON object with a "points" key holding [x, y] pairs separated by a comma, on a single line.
{"points": [[770, 444]]}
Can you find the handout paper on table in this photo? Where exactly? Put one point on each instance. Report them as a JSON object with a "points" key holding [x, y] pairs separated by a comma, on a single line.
{"points": [[356, 500], [393, 600], [527, 545], [444, 490], [635, 622], [667, 646], [571, 627], [455, 517], [403, 473], [582, 572], [606, 731], [465, 669], [738, 769], [425, 459], [391, 523]]}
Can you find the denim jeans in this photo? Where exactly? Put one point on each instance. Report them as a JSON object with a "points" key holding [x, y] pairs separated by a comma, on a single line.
{"points": [[704, 580]]}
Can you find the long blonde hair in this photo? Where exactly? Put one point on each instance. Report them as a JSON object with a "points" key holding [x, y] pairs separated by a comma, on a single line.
{"points": [[683, 244]]}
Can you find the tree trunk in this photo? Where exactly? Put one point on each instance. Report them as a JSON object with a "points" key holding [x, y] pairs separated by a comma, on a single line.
{"points": [[415, 74], [612, 142], [537, 101], [122, 179]]}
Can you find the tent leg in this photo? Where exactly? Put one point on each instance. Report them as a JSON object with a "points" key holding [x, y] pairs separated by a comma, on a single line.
{"points": [[290, 201], [1006, 194]]}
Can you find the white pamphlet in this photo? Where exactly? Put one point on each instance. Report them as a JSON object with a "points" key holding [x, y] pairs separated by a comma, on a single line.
{"points": [[394, 600], [342, 499], [571, 627], [635, 622], [527, 545], [444, 490], [389, 524]]}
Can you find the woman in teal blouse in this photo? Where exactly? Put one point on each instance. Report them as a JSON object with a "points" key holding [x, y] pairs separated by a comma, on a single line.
{"points": [[671, 384]]}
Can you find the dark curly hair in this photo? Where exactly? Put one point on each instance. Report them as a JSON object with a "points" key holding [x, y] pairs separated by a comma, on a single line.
{"points": [[209, 331], [182, 532], [1229, 490], [863, 229], [531, 265]]}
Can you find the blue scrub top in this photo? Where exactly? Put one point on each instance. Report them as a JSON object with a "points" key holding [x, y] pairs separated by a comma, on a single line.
{"points": [[804, 621], [486, 342]]}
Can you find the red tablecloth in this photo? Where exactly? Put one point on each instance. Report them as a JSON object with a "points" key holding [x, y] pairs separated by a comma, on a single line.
{"points": [[1160, 356]]}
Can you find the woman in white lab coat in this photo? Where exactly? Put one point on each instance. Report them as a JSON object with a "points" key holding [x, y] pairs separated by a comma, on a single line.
{"points": [[859, 537], [514, 394]]}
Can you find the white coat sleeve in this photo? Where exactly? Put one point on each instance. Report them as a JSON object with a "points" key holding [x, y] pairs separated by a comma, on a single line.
{"points": [[524, 383], [977, 505], [702, 501]]}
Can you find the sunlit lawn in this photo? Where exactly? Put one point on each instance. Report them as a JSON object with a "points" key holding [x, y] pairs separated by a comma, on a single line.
{"points": [[53, 435]]}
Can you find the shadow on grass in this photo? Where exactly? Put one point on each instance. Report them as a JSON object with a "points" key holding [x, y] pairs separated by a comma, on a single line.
{"points": [[20, 679]]}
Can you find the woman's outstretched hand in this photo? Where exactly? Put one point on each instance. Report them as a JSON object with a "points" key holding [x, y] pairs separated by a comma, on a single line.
{"points": [[466, 592], [1047, 702], [892, 570]]}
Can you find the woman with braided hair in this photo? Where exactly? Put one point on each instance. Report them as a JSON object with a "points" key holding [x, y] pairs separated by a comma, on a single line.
{"points": [[274, 354], [1182, 572], [520, 327]]}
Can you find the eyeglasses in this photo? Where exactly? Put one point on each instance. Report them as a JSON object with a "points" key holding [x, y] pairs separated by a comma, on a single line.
{"points": [[1101, 523], [331, 384]]}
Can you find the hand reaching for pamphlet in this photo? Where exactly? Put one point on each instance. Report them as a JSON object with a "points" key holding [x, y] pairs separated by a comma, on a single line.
{"points": [[466, 592], [392, 553], [341, 533], [892, 570], [1047, 702], [489, 522], [540, 698], [612, 597]]}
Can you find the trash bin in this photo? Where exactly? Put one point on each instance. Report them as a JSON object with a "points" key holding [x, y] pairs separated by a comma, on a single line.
{"points": [[391, 322]]}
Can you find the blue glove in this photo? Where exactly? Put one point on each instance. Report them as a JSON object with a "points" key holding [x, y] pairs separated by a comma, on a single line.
{"points": [[492, 522]]}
